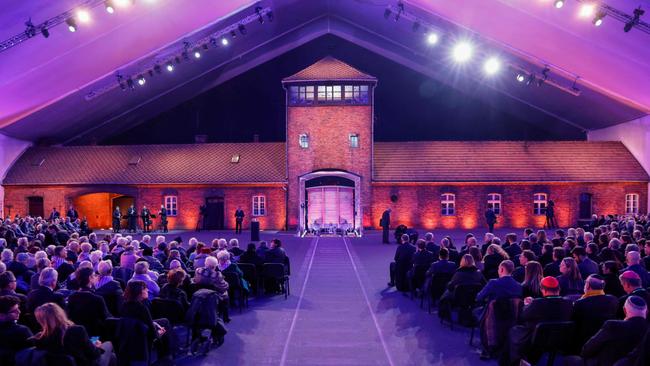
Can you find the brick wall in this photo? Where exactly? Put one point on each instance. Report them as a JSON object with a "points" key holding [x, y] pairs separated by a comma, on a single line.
{"points": [[95, 202], [419, 205], [328, 128]]}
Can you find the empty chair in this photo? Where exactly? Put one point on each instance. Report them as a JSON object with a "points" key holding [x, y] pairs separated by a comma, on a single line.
{"points": [[436, 287], [552, 338]]}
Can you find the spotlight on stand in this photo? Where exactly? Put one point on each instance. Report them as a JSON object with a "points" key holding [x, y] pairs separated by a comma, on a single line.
{"points": [[30, 30], [72, 24], [531, 79], [83, 15], [233, 34], [130, 84], [558, 4], [141, 80], [400, 10], [432, 38], [225, 41], [170, 66], [197, 54], [157, 69], [44, 31], [521, 77], [258, 11], [638, 12], [544, 76], [492, 66], [270, 16], [242, 29], [462, 52], [598, 19]]}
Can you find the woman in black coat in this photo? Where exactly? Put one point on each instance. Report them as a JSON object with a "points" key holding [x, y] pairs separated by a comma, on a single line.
{"points": [[172, 291], [467, 274]]}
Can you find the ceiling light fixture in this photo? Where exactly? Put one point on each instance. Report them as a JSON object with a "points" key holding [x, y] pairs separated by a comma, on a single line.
{"points": [[492, 66], [558, 4], [462, 52], [598, 19], [432, 38]]}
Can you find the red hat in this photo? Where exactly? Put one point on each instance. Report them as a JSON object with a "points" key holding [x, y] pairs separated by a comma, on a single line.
{"points": [[550, 282], [631, 275]]}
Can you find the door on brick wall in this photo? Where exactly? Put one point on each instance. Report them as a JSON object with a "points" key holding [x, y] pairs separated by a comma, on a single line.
{"points": [[35, 206], [214, 213], [330, 206], [585, 205]]}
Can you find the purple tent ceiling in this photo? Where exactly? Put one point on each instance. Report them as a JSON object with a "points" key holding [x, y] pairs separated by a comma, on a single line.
{"points": [[44, 81]]}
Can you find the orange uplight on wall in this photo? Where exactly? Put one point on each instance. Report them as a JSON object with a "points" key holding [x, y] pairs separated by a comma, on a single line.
{"points": [[469, 222]]}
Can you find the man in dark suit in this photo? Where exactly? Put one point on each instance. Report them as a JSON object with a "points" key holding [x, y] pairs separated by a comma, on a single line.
{"points": [[503, 287], [54, 214], [490, 218], [44, 293], [401, 264], [132, 217], [117, 219], [443, 265], [276, 254], [633, 261], [163, 218], [239, 219], [552, 307], [617, 337], [385, 225], [593, 309], [431, 245], [631, 283], [14, 336], [586, 266], [145, 214], [72, 214], [84, 307], [553, 268]]}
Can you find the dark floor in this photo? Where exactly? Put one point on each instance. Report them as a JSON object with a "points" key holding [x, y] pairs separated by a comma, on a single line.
{"points": [[340, 312]]}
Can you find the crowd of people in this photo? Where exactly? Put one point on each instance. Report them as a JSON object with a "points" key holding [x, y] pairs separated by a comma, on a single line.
{"points": [[593, 281], [67, 296]]}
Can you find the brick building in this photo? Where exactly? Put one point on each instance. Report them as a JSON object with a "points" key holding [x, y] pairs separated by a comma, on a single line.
{"points": [[331, 173]]}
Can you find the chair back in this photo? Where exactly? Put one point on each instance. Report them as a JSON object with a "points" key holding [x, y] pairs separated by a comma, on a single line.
{"points": [[233, 279], [172, 310], [287, 265], [132, 343], [250, 271], [501, 315], [273, 270], [465, 295], [552, 337], [439, 283], [122, 273]]}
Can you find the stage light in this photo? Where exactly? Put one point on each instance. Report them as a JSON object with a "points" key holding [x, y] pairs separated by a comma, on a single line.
{"points": [[150, 72], [205, 47], [170, 66], [45, 32], [598, 19], [432, 38], [30, 30], [492, 66], [400, 10], [387, 13], [108, 5], [130, 84], [83, 15], [258, 11], [233, 34], [558, 4], [530, 79], [72, 24], [122, 3], [462, 52], [157, 69], [242, 29], [545, 72], [270, 16], [141, 80], [225, 41], [197, 54], [587, 10], [416, 26], [635, 20], [521, 78]]}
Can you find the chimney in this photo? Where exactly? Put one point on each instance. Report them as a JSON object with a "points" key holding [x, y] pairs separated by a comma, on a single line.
{"points": [[256, 137], [200, 139]]}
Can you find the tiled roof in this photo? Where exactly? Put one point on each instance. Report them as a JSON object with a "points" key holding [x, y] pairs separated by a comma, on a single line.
{"points": [[329, 68], [503, 161], [158, 164]]}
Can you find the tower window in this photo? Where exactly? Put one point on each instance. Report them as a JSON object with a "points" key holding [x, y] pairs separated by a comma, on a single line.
{"points": [[301, 95], [354, 140], [303, 140]]}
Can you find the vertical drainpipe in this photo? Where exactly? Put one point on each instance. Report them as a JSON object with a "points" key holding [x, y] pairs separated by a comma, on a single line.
{"points": [[286, 158]]}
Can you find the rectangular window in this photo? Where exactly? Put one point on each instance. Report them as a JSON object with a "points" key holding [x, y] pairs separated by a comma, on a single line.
{"points": [[354, 140], [171, 205], [539, 203], [303, 140], [294, 95], [337, 92], [259, 205], [448, 201], [631, 203], [301, 94], [494, 202], [348, 92]]}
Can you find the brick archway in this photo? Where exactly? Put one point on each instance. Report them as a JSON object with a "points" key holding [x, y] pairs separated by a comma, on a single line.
{"points": [[98, 206]]}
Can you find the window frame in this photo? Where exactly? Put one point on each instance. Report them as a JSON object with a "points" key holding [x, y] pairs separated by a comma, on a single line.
{"points": [[353, 139], [631, 203], [494, 202], [303, 141], [171, 204], [540, 204], [259, 205], [448, 204]]}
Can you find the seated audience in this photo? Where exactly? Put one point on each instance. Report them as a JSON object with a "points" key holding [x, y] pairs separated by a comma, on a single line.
{"points": [[593, 308], [44, 293], [503, 287], [401, 265], [86, 308], [172, 291], [108, 288], [531, 285], [586, 266], [571, 282], [276, 254], [520, 272], [15, 337], [443, 265], [553, 268], [612, 283], [141, 273], [633, 260], [251, 256], [631, 283]]}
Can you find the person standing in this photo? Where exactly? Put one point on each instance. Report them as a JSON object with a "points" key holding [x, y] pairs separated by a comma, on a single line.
{"points": [[385, 225], [146, 219], [550, 215], [72, 214], [132, 216], [490, 218], [239, 218], [163, 218], [54, 214], [117, 219]]}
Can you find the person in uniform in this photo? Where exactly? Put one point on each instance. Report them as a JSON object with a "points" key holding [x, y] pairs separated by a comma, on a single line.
{"points": [[163, 218], [385, 225], [132, 216], [117, 218], [239, 218], [146, 219]]}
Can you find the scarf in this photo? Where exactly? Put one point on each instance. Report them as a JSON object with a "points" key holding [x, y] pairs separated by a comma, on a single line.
{"points": [[590, 293]]}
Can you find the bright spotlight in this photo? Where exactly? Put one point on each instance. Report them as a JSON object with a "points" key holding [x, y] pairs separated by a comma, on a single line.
{"points": [[492, 66], [83, 15], [141, 80], [598, 19], [462, 52], [224, 41], [122, 3], [432, 38], [521, 78], [587, 10], [110, 8], [170, 67], [197, 54], [72, 24], [558, 4]]}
